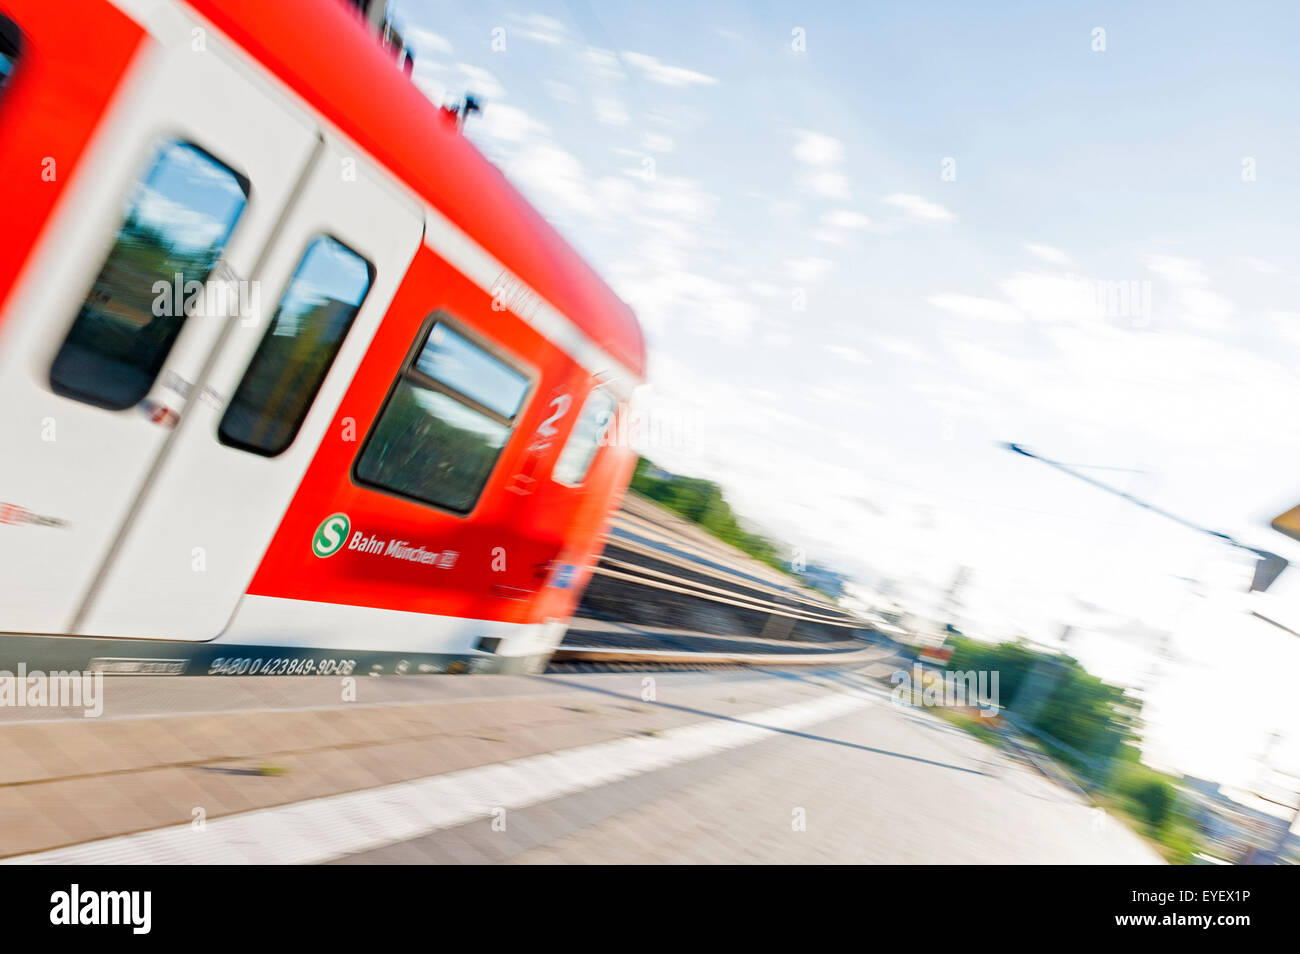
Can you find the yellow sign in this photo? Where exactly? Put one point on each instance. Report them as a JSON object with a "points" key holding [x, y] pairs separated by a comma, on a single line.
{"points": [[1289, 523]]}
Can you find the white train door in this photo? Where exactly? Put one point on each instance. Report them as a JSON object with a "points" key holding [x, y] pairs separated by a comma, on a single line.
{"points": [[190, 175], [269, 398]]}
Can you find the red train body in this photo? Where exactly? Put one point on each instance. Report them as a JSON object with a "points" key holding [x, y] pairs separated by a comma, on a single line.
{"points": [[292, 379]]}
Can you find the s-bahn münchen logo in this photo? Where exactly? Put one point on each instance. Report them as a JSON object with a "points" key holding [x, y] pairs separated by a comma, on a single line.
{"points": [[331, 535]]}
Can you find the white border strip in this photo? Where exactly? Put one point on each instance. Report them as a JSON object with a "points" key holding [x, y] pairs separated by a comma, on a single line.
{"points": [[343, 627], [321, 829], [456, 247]]}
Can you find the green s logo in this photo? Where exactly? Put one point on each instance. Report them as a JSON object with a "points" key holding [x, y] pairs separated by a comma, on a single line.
{"points": [[331, 535]]}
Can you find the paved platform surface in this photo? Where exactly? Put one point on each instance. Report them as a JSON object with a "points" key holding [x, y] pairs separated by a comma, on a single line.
{"points": [[708, 767], [880, 785]]}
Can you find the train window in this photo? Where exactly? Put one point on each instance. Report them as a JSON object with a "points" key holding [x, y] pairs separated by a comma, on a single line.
{"points": [[9, 49], [299, 347], [585, 440], [177, 222], [451, 359], [445, 423]]}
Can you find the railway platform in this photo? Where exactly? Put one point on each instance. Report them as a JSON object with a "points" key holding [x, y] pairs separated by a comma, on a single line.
{"points": [[743, 765]]}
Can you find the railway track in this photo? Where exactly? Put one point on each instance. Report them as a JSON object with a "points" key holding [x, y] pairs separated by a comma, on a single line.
{"points": [[665, 594], [598, 659]]}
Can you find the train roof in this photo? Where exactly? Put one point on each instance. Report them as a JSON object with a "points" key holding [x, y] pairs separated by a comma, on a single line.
{"points": [[322, 51]]}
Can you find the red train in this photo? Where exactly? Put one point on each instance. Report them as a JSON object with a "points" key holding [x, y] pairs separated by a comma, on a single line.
{"points": [[292, 380]]}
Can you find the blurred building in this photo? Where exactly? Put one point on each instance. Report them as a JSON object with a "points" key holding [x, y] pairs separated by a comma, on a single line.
{"points": [[1232, 830]]}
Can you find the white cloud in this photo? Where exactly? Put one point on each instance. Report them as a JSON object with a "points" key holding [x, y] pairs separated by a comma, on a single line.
{"points": [[816, 149], [561, 92], [505, 123], [658, 142], [972, 306], [808, 270], [848, 353], [603, 64], [544, 169], [1263, 266], [667, 75], [441, 83], [1286, 324], [827, 183], [919, 207], [425, 41], [1194, 304], [680, 198], [610, 111], [181, 223], [821, 154], [680, 299], [837, 223], [1194, 391], [543, 29], [480, 82], [845, 219], [1206, 311], [1047, 253], [1053, 298], [829, 236], [902, 348], [1177, 271]]}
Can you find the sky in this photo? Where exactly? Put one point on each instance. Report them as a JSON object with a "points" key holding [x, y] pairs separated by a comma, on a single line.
{"points": [[870, 242]]}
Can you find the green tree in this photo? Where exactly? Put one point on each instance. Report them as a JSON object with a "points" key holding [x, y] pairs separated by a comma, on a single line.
{"points": [[702, 502]]}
